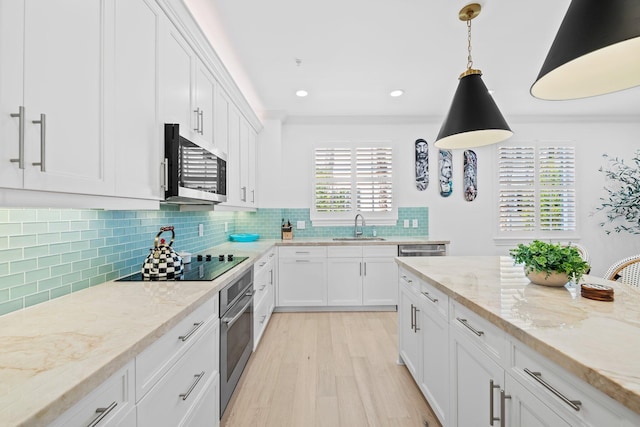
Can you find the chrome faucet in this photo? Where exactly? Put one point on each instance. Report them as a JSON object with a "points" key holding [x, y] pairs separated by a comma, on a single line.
{"points": [[357, 233]]}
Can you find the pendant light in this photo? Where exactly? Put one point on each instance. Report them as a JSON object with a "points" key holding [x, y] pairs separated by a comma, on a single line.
{"points": [[474, 118], [596, 51]]}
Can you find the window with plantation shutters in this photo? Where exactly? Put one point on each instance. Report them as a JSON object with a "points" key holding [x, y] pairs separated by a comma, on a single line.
{"points": [[351, 180], [537, 190]]}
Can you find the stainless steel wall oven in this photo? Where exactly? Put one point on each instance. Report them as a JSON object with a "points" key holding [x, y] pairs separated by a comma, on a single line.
{"points": [[236, 333]]}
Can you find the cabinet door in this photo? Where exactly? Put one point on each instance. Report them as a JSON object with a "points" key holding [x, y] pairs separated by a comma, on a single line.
{"points": [[176, 69], [344, 281], [251, 166], [64, 79], [11, 83], [435, 360], [409, 333], [473, 400], [206, 411], [380, 282], [137, 129], [302, 282], [523, 408], [234, 192], [221, 111], [245, 195], [205, 90]]}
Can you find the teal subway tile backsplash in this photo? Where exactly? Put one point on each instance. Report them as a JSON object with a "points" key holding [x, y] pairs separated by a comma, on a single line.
{"points": [[48, 253]]}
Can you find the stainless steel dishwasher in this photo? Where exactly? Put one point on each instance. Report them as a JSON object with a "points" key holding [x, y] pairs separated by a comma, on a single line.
{"points": [[428, 249]]}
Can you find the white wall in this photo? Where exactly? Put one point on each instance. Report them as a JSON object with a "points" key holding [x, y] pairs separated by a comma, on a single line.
{"points": [[285, 172]]}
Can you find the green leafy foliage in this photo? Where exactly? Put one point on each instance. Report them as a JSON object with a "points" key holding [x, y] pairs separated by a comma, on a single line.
{"points": [[622, 204], [550, 257]]}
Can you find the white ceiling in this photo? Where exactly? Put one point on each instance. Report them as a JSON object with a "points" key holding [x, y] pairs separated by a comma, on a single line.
{"points": [[354, 52]]}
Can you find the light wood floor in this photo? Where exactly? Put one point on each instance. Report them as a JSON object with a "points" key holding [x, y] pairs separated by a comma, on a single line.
{"points": [[328, 369]]}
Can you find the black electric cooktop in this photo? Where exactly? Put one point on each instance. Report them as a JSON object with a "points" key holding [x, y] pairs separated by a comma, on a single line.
{"points": [[201, 267]]}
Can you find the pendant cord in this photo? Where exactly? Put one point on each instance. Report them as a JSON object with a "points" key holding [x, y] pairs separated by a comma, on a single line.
{"points": [[469, 59]]}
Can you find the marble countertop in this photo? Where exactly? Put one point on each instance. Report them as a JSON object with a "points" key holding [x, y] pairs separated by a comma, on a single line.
{"points": [[388, 240], [54, 353], [598, 342]]}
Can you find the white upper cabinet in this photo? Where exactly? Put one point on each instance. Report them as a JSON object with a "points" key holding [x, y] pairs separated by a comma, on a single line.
{"points": [[205, 93], [61, 89], [137, 130], [176, 68]]}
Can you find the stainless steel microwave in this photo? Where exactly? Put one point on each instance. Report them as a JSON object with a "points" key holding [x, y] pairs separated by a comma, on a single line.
{"points": [[192, 174]]}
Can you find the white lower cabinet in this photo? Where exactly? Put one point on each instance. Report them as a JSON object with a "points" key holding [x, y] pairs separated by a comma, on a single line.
{"points": [[177, 397], [302, 276], [484, 377], [362, 275], [337, 276], [112, 404], [476, 381], [264, 274], [408, 331]]}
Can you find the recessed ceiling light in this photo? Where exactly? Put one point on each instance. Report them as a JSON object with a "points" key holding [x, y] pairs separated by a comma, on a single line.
{"points": [[397, 92], [302, 93]]}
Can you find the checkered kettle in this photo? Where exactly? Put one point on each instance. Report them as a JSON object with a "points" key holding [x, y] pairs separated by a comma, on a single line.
{"points": [[162, 263]]}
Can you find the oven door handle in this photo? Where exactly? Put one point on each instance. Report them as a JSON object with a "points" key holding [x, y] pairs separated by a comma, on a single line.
{"points": [[231, 320]]}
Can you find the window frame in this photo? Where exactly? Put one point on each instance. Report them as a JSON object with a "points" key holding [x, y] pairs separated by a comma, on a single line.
{"points": [[328, 219], [506, 237]]}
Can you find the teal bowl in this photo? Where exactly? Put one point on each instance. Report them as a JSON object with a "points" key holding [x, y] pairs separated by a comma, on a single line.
{"points": [[244, 237]]}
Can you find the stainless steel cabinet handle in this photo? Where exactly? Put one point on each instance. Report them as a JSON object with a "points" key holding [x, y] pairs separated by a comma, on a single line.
{"points": [[198, 377], [264, 316], [197, 128], [491, 387], [201, 117], [361, 269], [20, 116], [413, 313], [253, 196], [303, 260], [302, 252], [471, 328], [244, 193], [165, 181], [196, 326], [263, 263], [429, 297], [102, 412], [406, 279], [271, 276], [415, 317], [365, 268], [262, 287], [503, 412], [43, 135], [575, 404]]}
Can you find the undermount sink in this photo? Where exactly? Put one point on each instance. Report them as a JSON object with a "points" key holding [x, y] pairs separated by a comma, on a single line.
{"points": [[355, 239]]}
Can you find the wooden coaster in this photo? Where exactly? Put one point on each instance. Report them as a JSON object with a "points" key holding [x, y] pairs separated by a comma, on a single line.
{"points": [[596, 292]]}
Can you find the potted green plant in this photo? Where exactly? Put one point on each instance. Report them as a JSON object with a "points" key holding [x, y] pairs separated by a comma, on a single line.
{"points": [[550, 264]]}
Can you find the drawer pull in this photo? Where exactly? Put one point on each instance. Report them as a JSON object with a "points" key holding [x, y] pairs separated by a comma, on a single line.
{"points": [[264, 316], [575, 404], [303, 252], [262, 288], [406, 279], [471, 328], [263, 263], [491, 417], [303, 260], [196, 326], [197, 377], [102, 412], [429, 297]]}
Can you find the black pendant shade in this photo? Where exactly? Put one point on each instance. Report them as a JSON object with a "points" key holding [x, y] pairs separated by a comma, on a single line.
{"points": [[474, 118], [596, 51]]}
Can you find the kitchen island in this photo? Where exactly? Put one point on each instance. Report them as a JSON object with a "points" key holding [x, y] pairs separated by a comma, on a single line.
{"points": [[595, 342]]}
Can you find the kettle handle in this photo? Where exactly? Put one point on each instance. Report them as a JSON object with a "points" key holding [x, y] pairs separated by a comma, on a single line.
{"points": [[162, 230]]}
